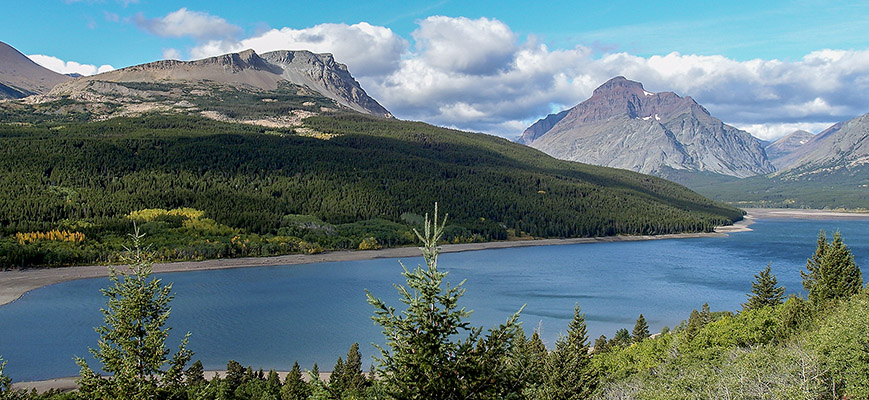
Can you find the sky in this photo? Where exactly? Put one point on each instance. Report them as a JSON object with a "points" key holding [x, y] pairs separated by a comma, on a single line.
{"points": [[768, 67]]}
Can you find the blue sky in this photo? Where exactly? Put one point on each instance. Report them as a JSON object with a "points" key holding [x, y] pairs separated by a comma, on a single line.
{"points": [[763, 66]]}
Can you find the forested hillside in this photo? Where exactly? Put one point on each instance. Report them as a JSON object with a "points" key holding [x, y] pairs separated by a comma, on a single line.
{"points": [[341, 181]]}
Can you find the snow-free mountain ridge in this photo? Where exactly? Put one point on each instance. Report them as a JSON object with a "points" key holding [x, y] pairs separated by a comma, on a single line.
{"points": [[623, 125], [318, 72], [21, 77]]}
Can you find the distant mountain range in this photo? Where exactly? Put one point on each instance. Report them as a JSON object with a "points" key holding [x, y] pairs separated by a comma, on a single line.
{"points": [[779, 152], [21, 77], [624, 126]]}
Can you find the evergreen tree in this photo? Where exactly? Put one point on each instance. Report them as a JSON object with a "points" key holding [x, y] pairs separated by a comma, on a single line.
{"points": [[132, 345], [353, 379], [5, 383], [195, 374], [705, 314], [336, 379], [621, 338], [569, 373], [426, 358], [641, 330], [765, 291], [273, 378], [695, 323], [831, 272], [294, 387], [600, 345]]}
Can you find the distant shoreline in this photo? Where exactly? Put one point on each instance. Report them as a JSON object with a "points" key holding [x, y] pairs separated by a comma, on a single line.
{"points": [[15, 283]]}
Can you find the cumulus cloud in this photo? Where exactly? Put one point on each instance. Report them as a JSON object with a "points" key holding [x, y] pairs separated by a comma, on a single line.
{"points": [[368, 50], [481, 46], [68, 67], [199, 25], [171, 54], [477, 74]]}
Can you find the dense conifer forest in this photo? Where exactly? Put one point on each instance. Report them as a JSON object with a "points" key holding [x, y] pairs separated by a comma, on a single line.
{"points": [[214, 189]]}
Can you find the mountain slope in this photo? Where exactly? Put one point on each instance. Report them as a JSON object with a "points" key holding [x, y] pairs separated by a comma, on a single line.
{"points": [[255, 182], [21, 77], [829, 171], [245, 70], [624, 126], [779, 151]]}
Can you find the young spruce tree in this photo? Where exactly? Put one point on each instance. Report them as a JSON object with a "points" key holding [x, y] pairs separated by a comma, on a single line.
{"points": [[831, 273], [765, 291], [569, 373], [432, 351], [132, 345], [641, 330]]}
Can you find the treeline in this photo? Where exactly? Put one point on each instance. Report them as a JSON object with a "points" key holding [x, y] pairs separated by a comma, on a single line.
{"points": [[88, 176]]}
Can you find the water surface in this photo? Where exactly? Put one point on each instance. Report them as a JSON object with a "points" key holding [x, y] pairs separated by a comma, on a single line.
{"points": [[271, 316]]}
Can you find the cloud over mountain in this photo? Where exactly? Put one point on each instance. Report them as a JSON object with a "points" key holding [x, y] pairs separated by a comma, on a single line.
{"points": [[68, 67], [478, 74], [183, 22]]}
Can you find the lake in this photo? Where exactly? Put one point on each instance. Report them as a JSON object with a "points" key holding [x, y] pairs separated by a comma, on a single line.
{"points": [[270, 317]]}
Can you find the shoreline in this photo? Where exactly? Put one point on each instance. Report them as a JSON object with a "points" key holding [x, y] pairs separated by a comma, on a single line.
{"points": [[16, 283]]}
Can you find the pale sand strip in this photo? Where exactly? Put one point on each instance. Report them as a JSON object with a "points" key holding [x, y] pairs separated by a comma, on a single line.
{"points": [[68, 383]]}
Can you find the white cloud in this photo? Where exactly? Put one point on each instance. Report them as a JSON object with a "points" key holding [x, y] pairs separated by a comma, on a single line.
{"points": [[171, 54], [183, 22], [772, 132], [68, 67], [477, 74], [480, 46], [368, 50]]}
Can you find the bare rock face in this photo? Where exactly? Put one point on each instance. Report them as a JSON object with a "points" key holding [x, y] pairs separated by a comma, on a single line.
{"points": [[779, 151], [21, 77], [840, 148], [318, 72], [321, 73], [624, 126]]}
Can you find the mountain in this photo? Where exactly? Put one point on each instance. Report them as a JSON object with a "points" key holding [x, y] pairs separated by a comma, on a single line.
{"points": [[779, 151], [831, 170], [841, 148], [624, 126], [21, 77], [247, 71]]}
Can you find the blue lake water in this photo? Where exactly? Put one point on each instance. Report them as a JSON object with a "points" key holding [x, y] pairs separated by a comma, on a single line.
{"points": [[272, 316]]}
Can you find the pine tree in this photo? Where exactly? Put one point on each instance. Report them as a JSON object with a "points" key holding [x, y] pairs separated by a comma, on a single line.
{"points": [[621, 338], [132, 345], [764, 291], [294, 387], [569, 373], [426, 357], [195, 374], [5, 382], [601, 345], [831, 273], [641, 330], [353, 378]]}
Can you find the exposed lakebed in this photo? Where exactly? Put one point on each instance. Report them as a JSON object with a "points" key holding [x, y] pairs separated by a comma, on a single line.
{"points": [[271, 316]]}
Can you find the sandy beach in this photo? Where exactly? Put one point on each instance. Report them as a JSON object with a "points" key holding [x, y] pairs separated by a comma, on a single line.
{"points": [[15, 283]]}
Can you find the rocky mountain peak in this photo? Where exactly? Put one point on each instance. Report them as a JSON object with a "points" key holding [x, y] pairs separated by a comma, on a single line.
{"points": [[625, 126]]}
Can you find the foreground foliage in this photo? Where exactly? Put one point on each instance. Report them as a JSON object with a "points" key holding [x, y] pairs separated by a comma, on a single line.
{"points": [[132, 346]]}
